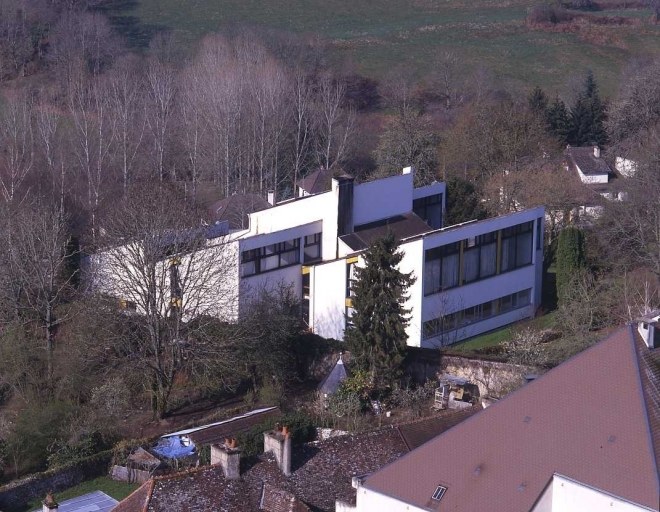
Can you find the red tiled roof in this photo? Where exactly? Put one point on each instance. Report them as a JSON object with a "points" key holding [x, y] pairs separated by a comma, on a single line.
{"points": [[586, 419]]}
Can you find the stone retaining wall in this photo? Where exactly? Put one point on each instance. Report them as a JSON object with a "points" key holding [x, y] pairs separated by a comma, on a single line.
{"points": [[17, 494]]}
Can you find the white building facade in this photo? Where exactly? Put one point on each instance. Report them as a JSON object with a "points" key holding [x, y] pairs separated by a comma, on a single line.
{"points": [[470, 278]]}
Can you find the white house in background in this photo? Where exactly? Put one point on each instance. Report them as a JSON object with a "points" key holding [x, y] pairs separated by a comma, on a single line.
{"points": [[471, 278], [625, 166], [597, 176], [583, 437]]}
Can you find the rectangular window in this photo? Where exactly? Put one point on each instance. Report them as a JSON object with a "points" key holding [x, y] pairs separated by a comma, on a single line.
{"points": [[478, 313], [517, 246], [270, 257], [312, 247], [432, 271], [429, 209]]}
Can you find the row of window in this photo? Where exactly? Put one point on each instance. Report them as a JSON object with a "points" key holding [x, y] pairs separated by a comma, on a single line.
{"points": [[280, 255], [468, 316], [443, 268]]}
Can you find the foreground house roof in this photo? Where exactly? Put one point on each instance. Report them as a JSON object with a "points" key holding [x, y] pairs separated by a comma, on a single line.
{"points": [[322, 473], [595, 419]]}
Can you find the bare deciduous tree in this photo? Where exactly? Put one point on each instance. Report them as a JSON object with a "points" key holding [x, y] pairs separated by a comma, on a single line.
{"points": [[37, 261], [334, 123], [17, 139], [162, 264]]}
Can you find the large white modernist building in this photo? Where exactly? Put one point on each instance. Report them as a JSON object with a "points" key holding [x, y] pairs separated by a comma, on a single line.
{"points": [[470, 278]]}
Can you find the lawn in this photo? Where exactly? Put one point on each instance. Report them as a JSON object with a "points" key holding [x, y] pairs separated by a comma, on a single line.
{"points": [[494, 338], [380, 36], [118, 490]]}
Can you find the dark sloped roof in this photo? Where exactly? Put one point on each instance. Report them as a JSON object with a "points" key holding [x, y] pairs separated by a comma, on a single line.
{"points": [[318, 181], [321, 474], [585, 159], [232, 427], [401, 226], [416, 433], [235, 209], [332, 381], [586, 419], [275, 499]]}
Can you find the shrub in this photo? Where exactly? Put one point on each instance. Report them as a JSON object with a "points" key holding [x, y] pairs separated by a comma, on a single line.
{"points": [[546, 13]]}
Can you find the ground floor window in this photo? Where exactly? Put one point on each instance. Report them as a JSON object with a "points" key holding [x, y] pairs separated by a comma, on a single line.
{"points": [[468, 316]]}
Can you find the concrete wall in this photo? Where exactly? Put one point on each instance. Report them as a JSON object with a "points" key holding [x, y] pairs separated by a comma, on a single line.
{"points": [[328, 299], [291, 214], [382, 198], [371, 501], [567, 495]]}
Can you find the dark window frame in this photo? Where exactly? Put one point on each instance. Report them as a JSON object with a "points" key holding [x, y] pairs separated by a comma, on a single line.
{"points": [[316, 242], [422, 205], [446, 324], [278, 249]]}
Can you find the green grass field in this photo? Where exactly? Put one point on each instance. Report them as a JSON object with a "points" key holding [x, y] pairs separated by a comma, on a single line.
{"points": [[377, 36]]}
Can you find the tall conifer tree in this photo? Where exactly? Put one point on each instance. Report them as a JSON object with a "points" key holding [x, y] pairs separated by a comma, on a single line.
{"points": [[376, 335], [588, 116], [571, 258]]}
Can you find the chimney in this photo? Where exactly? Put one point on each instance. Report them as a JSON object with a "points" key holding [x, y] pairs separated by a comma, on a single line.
{"points": [[596, 151], [229, 458], [49, 504], [343, 185], [279, 443], [649, 330], [271, 197]]}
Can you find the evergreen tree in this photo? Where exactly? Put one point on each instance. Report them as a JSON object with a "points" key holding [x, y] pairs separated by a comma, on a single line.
{"points": [[558, 120], [570, 258], [377, 336], [588, 116], [463, 202], [538, 101]]}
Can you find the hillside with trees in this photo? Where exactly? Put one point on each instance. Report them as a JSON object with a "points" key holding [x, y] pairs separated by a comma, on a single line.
{"points": [[104, 144]]}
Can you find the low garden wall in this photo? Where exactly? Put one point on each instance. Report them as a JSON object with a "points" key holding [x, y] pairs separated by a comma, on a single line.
{"points": [[494, 378], [17, 494]]}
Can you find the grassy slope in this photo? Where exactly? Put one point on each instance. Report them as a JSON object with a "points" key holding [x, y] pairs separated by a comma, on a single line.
{"points": [[379, 35]]}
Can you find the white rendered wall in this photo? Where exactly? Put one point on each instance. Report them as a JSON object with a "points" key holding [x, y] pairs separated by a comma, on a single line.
{"points": [[413, 258], [371, 501], [592, 178], [566, 495], [382, 198], [328, 299], [430, 190], [295, 213]]}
